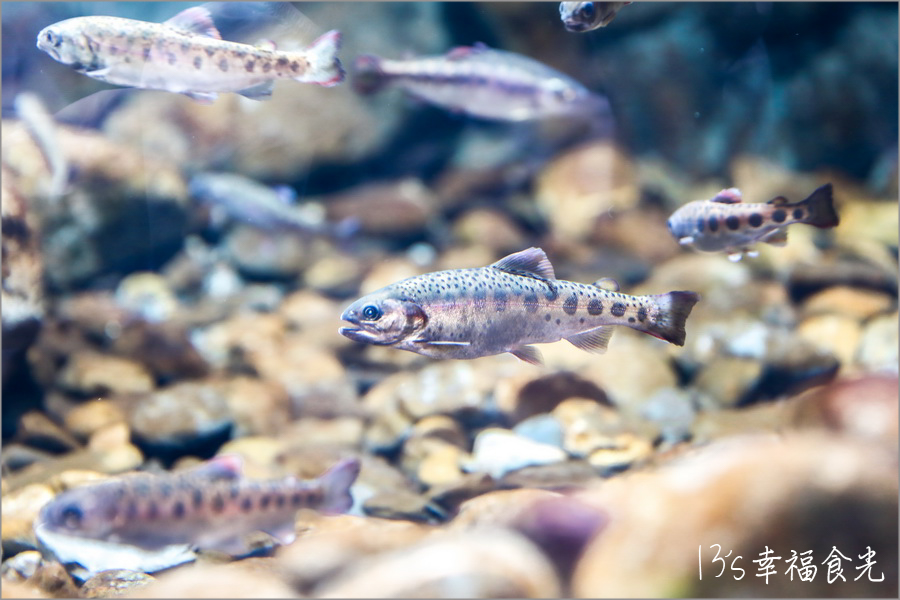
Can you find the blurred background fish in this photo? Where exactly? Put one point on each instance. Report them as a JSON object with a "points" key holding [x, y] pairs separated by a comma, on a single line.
{"points": [[185, 54], [586, 16], [482, 82]]}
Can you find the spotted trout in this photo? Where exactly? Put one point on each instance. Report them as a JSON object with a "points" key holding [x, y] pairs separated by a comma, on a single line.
{"points": [[482, 82], [505, 307], [185, 54], [727, 224], [141, 517]]}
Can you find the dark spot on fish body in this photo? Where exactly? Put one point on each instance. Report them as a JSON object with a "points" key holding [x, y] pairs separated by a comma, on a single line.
{"points": [[298, 497], [249, 66], [779, 216], [113, 50], [631, 319], [733, 223], [755, 220], [197, 498], [558, 322], [547, 317], [210, 51], [198, 62], [642, 314], [172, 58], [552, 294], [798, 213], [595, 307], [531, 302], [701, 224], [247, 504], [500, 300], [279, 500], [165, 489], [17, 229], [571, 305], [131, 511], [218, 503], [152, 511], [223, 65], [265, 501], [178, 510], [295, 66], [713, 224], [185, 46], [282, 61], [618, 309], [581, 320], [235, 491], [267, 66], [145, 53]]}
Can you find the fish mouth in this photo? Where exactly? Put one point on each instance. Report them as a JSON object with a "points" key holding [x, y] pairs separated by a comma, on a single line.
{"points": [[576, 26], [358, 334]]}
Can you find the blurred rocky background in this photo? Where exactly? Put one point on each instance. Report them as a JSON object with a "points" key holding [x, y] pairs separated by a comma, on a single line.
{"points": [[143, 331]]}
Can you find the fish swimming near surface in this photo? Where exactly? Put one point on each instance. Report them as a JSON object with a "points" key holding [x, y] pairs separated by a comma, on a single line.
{"points": [[727, 224], [505, 307], [587, 16], [143, 520], [482, 82], [185, 55]]}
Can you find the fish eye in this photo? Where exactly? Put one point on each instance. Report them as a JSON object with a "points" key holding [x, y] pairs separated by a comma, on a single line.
{"points": [[71, 516], [371, 313], [587, 11]]}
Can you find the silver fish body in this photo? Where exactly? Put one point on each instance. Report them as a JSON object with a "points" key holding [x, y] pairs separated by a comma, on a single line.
{"points": [[482, 82], [185, 55], [251, 202], [209, 507], [727, 224], [505, 307], [587, 16]]}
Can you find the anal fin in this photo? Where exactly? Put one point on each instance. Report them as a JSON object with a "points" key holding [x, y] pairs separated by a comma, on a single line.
{"points": [[776, 238], [595, 340], [529, 354], [263, 91]]}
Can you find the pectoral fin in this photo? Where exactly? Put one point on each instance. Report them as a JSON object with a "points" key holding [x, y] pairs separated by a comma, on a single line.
{"points": [[529, 354], [595, 340], [202, 97]]}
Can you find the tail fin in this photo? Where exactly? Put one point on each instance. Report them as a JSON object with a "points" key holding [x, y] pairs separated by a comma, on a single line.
{"points": [[336, 483], [821, 208], [324, 66], [674, 309], [368, 77]]}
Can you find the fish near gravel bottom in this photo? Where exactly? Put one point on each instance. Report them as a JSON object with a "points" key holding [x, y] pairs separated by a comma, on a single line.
{"points": [[505, 307], [727, 224], [185, 55], [147, 522]]}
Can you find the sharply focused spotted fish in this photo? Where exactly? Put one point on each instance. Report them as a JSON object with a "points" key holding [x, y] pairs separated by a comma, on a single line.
{"points": [[586, 16], [146, 521], [504, 307], [186, 55], [726, 224]]}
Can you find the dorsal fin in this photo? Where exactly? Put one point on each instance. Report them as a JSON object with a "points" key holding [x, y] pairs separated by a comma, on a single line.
{"points": [[778, 201], [195, 19], [266, 44], [607, 283], [226, 466], [533, 261], [728, 196]]}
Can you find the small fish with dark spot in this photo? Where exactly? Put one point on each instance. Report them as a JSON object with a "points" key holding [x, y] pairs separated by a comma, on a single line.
{"points": [[146, 521], [482, 82], [727, 224], [432, 315], [185, 54], [587, 16]]}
